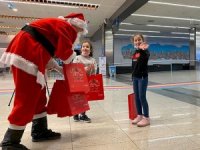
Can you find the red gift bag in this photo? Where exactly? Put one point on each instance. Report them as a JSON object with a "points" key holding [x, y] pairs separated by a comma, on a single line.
{"points": [[96, 91], [132, 106], [63, 103], [75, 77]]}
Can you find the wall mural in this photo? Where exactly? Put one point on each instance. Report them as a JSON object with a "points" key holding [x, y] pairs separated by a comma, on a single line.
{"points": [[198, 53], [198, 47], [160, 52]]}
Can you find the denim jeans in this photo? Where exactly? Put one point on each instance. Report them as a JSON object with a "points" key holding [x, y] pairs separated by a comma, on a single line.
{"points": [[140, 88]]}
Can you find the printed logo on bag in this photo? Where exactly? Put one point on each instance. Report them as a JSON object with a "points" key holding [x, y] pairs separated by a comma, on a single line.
{"points": [[77, 97], [77, 73], [94, 85]]}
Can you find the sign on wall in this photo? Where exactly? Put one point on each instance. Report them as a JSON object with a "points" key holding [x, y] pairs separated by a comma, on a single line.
{"points": [[102, 65]]}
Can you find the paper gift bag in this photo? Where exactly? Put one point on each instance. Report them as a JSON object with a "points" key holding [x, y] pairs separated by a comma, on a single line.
{"points": [[63, 103], [75, 77], [132, 106], [96, 90]]}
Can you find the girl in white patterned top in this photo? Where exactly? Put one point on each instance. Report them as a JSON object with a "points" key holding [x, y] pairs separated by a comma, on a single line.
{"points": [[90, 67]]}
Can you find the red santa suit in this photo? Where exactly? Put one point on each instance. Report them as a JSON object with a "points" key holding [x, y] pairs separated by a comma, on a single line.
{"points": [[29, 59], [29, 53]]}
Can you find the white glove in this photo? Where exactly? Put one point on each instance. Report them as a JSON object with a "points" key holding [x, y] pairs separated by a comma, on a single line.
{"points": [[52, 64]]}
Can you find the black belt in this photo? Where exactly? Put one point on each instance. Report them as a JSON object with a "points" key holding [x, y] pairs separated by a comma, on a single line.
{"points": [[40, 38]]}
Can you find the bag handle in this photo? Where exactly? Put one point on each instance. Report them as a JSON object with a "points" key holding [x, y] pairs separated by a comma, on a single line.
{"points": [[91, 70]]}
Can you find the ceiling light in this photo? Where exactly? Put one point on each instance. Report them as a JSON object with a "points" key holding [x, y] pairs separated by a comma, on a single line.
{"points": [[155, 25], [108, 32], [174, 37], [169, 37], [18, 17], [15, 9], [126, 23], [165, 17], [163, 26], [59, 3], [8, 27], [179, 33], [172, 4], [12, 7], [139, 31], [123, 34]]}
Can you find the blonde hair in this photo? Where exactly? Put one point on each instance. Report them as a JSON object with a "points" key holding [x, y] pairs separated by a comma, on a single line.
{"points": [[137, 34]]}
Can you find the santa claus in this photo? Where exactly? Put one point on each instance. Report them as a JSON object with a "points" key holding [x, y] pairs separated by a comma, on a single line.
{"points": [[29, 54]]}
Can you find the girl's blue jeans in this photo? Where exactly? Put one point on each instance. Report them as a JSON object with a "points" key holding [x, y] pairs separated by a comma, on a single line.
{"points": [[140, 88]]}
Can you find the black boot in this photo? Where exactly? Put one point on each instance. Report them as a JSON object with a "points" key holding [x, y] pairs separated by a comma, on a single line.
{"points": [[40, 132], [11, 140]]}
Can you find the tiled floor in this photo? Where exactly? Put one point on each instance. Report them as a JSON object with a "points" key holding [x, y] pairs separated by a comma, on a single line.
{"points": [[174, 111]]}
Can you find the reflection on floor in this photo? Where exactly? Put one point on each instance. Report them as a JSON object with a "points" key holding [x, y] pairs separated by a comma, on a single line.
{"points": [[174, 111]]}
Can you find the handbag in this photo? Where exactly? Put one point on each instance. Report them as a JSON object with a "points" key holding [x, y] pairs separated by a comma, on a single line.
{"points": [[75, 77], [64, 103], [132, 106], [96, 90]]}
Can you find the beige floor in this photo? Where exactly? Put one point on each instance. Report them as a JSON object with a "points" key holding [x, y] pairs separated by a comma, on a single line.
{"points": [[175, 125]]}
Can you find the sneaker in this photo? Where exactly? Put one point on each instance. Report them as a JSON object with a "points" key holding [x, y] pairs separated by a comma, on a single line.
{"points": [[85, 119], [137, 119], [144, 122], [76, 118]]}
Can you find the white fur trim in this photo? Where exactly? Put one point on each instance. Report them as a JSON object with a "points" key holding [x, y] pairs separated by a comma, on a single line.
{"points": [[42, 115], [41, 79], [19, 62], [69, 60], [61, 17], [79, 23], [16, 127], [23, 64]]}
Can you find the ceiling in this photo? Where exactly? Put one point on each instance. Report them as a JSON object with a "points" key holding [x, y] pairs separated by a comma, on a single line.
{"points": [[156, 18], [153, 17], [36, 9]]}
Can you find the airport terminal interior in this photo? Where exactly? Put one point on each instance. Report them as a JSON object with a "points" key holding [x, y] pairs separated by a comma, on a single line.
{"points": [[170, 27], [174, 111]]}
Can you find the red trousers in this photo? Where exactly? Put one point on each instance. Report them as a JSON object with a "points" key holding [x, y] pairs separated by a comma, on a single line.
{"points": [[30, 98]]}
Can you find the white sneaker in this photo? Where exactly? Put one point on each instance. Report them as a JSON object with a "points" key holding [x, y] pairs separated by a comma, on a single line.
{"points": [[137, 119], [144, 122]]}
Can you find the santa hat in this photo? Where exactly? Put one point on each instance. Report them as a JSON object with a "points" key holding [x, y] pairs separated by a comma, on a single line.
{"points": [[78, 20]]}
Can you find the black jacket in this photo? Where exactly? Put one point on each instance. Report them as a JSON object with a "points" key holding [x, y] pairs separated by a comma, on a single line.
{"points": [[140, 63]]}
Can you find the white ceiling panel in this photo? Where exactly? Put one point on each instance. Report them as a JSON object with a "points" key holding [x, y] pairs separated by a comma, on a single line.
{"points": [[186, 14], [184, 2], [106, 9], [95, 17], [172, 11]]}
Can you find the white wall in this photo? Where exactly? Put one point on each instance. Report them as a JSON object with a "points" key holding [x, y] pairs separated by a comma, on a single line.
{"points": [[1, 52], [98, 49], [6, 38], [4, 41]]}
